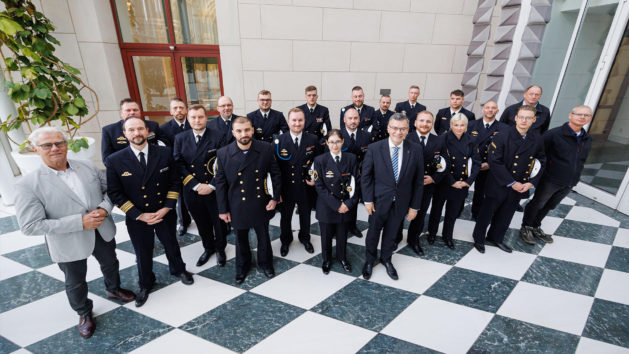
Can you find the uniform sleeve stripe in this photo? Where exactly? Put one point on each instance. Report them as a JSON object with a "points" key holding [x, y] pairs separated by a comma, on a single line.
{"points": [[172, 195], [187, 179], [126, 206]]}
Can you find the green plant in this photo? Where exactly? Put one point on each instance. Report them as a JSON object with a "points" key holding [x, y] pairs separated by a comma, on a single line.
{"points": [[49, 89]]}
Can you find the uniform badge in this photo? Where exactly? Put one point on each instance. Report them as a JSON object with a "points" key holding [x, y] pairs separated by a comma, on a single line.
{"points": [[329, 174], [211, 166], [284, 153], [349, 189], [319, 119], [121, 138], [126, 174], [474, 132], [276, 141], [259, 130]]}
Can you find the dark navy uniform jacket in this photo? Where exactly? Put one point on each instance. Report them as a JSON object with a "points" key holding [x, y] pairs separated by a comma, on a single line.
{"points": [[511, 159], [172, 128], [434, 147], [114, 140], [565, 155], [411, 113], [457, 154], [294, 163], [225, 131], [442, 119], [333, 185], [380, 123], [196, 163], [135, 191], [316, 120], [542, 121], [366, 116], [358, 147], [483, 137], [241, 183], [266, 129]]}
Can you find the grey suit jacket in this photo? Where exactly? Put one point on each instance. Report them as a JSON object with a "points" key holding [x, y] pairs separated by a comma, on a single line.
{"points": [[45, 205]]}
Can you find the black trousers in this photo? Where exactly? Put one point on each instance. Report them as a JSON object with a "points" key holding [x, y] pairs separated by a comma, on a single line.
{"points": [[183, 217], [328, 231], [417, 225], [453, 208], [243, 249], [286, 213], [479, 192], [497, 210], [76, 286], [212, 229], [547, 196], [143, 239], [387, 222]]}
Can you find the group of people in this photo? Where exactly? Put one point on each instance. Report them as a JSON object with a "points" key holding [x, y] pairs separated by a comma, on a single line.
{"points": [[235, 172]]}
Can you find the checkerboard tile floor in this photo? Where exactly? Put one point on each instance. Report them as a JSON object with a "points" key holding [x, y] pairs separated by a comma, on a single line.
{"points": [[569, 296]]}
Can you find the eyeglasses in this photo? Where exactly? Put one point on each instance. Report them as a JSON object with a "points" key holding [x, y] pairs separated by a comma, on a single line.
{"points": [[582, 115], [265, 99], [401, 130], [48, 146], [225, 105], [525, 118], [335, 142]]}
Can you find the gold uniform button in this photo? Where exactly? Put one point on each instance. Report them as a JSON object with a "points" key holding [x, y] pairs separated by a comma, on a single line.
{"points": [[257, 179], [515, 164], [258, 196], [516, 156], [462, 173], [239, 173], [194, 174], [192, 166], [161, 201], [145, 196], [142, 187], [256, 171], [243, 198], [158, 193], [513, 171], [530, 157], [292, 181], [292, 174], [453, 157], [241, 182], [257, 187], [147, 204], [157, 184], [242, 191]]}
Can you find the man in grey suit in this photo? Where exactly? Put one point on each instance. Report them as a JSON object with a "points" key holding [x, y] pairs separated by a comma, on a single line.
{"points": [[67, 202]]}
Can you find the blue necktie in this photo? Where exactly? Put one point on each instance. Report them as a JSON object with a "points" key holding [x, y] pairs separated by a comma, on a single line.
{"points": [[394, 159]]}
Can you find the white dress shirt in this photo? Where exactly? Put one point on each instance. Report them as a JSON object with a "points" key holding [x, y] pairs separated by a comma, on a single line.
{"points": [[399, 156], [72, 180]]}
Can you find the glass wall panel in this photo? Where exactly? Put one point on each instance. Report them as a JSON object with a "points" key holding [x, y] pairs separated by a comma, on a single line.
{"points": [[194, 21], [202, 81], [156, 82], [142, 21]]}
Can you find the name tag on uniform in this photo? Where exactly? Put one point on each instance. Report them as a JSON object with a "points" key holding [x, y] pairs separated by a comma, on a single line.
{"points": [[329, 174], [474, 132], [284, 153], [164, 169], [319, 119], [444, 118], [126, 174]]}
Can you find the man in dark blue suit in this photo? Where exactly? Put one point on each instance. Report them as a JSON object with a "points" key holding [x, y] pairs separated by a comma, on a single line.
{"points": [[195, 154], [113, 139], [484, 131], [531, 98], [295, 153], [267, 122], [223, 123], [317, 116], [170, 129], [442, 121], [248, 185], [411, 107], [365, 111], [381, 118], [142, 180], [392, 183]]}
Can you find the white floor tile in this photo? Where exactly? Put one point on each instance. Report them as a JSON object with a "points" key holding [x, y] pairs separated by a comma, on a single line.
{"points": [[592, 216], [22, 351], [568, 201], [557, 309], [191, 254], [173, 341], [463, 230], [315, 333], [125, 259], [10, 268], [16, 240], [578, 251], [296, 250], [40, 319], [304, 286], [614, 286], [494, 261], [439, 325], [549, 224], [122, 234], [622, 238], [416, 274], [588, 346], [177, 303]]}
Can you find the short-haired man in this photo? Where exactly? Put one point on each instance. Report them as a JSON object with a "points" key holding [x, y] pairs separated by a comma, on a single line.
{"points": [[267, 122], [223, 123], [364, 111], [245, 170], [392, 184], [484, 131], [411, 107], [442, 120], [532, 95], [195, 154], [170, 129], [113, 139], [66, 201], [295, 153], [566, 148], [381, 118], [512, 159], [144, 183], [317, 116]]}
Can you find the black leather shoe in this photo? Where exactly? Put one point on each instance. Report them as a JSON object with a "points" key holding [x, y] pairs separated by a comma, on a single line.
{"points": [[121, 294], [527, 235], [186, 278], [346, 266], [269, 273], [449, 243], [325, 267], [354, 231], [284, 250], [141, 297], [205, 256], [431, 239], [240, 278], [367, 269], [504, 247], [479, 247], [390, 270], [87, 326], [221, 258], [308, 247], [417, 249], [181, 230]]}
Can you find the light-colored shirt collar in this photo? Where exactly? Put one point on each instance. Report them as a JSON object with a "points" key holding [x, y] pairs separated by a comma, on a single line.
{"points": [[383, 112], [201, 133], [350, 132], [391, 145], [263, 113], [137, 152], [228, 119], [313, 107], [293, 136], [68, 167], [524, 103], [453, 112], [490, 123], [334, 156], [419, 135]]}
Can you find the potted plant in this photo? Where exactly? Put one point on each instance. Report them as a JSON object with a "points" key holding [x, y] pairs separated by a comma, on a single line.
{"points": [[45, 90]]}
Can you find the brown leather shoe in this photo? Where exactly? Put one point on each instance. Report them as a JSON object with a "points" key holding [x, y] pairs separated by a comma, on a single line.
{"points": [[87, 326], [121, 294]]}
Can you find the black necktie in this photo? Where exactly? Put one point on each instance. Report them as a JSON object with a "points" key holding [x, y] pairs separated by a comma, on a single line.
{"points": [[297, 142], [142, 160], [182, 126], [311, 110], [422, 140], [198, 139], [412, 106], [265, 116], [487, 126], [337, 159], [352, 138], [358, 109]]}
